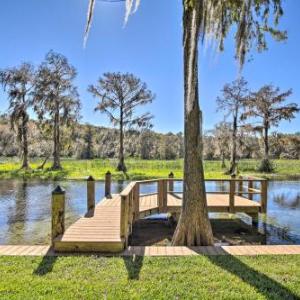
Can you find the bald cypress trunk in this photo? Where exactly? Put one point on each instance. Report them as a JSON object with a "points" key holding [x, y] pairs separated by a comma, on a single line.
{"points": [[25, 164], [121, 165], [56, 141], [193, 227], [233, 163], [266, 141], [266, 165]]}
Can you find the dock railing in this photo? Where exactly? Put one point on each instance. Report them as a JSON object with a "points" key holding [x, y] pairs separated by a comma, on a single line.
{"points": [[245, 187]]}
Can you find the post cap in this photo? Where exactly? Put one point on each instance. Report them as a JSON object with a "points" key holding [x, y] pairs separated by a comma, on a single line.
{"points": [[171, 174], [108, 173], [58, 191], [90, 178]]}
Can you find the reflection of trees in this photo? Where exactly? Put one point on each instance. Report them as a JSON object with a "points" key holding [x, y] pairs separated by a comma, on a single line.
{"points": [[18, 213], [6, 187], [286, 201], [274, 230], [119, 186]]}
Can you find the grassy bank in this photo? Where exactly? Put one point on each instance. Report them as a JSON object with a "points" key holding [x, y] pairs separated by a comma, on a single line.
{"points": [[140, 169], [202, 277]]}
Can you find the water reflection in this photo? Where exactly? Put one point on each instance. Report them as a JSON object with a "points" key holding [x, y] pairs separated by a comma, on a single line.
{"points": [[25, 208], [17, 215], [284, 200]]}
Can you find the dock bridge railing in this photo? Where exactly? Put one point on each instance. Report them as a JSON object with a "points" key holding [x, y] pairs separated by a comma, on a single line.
{"points": [[130, 197]]}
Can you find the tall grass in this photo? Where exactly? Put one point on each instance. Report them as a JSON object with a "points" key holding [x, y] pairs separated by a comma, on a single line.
{"points": [[139, 169]]}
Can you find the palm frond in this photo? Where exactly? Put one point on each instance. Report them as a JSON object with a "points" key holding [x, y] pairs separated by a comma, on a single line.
{"points": [[89, 20], [129, 4]]}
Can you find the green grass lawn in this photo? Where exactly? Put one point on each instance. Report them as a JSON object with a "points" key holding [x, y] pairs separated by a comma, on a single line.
{"points": [[140, 169], [201, 277]]}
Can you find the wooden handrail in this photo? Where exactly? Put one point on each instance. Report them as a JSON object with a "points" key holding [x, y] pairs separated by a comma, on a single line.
{"points": [[209, 179], [128, 188], [251, 189], [130, 197]]}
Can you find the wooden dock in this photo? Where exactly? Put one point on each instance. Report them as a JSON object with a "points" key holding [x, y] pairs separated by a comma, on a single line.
{"points": [[107, 226]]}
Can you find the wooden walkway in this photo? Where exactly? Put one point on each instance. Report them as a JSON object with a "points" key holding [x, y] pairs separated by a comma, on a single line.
{"points": [[21, 250], [100, 229], [108, 225]]}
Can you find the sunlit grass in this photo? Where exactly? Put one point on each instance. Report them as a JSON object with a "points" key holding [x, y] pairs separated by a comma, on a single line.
{"points": [[201, 277], [140, 169]]}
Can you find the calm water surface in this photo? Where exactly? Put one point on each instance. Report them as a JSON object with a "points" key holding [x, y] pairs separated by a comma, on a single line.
{"points": [[25, 209]]}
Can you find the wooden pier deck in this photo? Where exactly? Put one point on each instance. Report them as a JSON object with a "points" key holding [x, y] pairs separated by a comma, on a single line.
{"points": [[98, 230], [106, 228]]}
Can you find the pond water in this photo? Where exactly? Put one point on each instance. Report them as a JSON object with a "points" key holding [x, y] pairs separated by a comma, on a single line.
{"points": [[25, 209]]}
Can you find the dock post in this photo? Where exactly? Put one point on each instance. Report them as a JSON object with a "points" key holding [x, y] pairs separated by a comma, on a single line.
{"points": [[108, 184], [162, 195], [241, 182], [90, 193], [58, 213], [250, 188], [124, 220], [254, 219], [231, 195], [136, 201], [264, 196], [165, 195], [171, 182]]}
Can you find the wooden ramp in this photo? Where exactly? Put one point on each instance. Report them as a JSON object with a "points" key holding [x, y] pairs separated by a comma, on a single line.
{"points": [[99, 230]]}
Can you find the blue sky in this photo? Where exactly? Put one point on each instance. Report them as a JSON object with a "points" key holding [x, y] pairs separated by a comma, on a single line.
{"points": [[150, 46]]}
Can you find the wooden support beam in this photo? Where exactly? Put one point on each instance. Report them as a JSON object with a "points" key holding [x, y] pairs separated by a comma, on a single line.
{"points": [[108, 184], [231, 195], [254, 217], [240, 193], [123, 219], [58, 213], [162, 195], [264, 196], [250, 188], [171, 182], [165, 199], [90, 193], [136, 201]]}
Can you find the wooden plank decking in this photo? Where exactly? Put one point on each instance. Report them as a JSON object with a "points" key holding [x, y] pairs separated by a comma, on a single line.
{"points": [[27, 250], [100, 230]]}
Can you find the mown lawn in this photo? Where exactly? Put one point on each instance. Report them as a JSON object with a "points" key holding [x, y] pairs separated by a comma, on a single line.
{"points": [[140, 169], [201, 277]]}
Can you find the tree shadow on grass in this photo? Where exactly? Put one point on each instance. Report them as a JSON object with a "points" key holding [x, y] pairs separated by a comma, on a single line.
{"points": [[265, 285], [134, 264], [46, 265]]}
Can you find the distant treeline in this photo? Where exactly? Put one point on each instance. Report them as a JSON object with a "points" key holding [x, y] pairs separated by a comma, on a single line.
{"points": [[84, 141]]}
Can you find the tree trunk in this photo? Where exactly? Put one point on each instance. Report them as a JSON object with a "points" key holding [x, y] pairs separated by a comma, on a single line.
{"points": [[223, 165], [193, 228], [25, 164], [232, 168], [56, 141], [121, 165], [41, 167], [266, 142], [266, 165]]}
